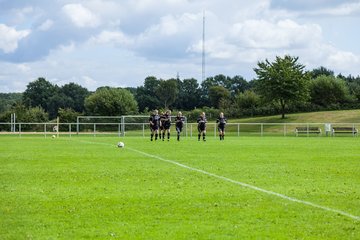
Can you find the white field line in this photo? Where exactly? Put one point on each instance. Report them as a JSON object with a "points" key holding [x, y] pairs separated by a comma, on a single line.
{"points": [[328, 209]]}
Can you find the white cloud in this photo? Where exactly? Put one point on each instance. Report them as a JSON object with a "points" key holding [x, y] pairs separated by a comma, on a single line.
{"points": [[336, 9], [89, 82], [341, 60], [170, 25], [46, 25], [67, 48], [282, 34], [119, 43], [343, 9], [170, 37], [113, 37], [9, 38], [81, 16], [23, 67], [253, 40], [146, 5], [217, 48], [106, 9], [22, 14], [25, 10]]}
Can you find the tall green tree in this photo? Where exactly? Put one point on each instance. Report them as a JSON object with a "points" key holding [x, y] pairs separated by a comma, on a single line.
{"points": [[146, 94], [218, 94], [247, 100], [51, 97], [68, 115], [189, 92], [218, 80], [328, 90], [7, 100], [283, 81], [204, 90], [321, 71], [237, 84], [167, 92], [75, 95], [233, 85], [38, 93], [108, 101], [44, 94], [353, 84], [25, 114], [57, 100]]}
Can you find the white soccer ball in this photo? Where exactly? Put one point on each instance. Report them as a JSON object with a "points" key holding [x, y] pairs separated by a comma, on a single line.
{"points": [[121, 144], [53, 136]]}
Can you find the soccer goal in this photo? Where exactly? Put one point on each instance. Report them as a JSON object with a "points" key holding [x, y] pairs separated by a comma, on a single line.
{"points": [[134, 125], [98, 124]]}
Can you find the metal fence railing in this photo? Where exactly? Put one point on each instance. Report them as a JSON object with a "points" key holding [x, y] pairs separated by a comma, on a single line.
{"points": [[189, 130]]}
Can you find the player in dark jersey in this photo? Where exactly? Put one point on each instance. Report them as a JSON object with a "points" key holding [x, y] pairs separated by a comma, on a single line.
{"points": [[161, 127], [202, 126], [221, 121], [166, 125], [179, 124], [154, 122]]}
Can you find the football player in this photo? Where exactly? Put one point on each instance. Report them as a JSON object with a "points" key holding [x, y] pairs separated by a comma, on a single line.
{"points": [[179, 124], [221, 121], [166, 124], [161, 127], [202, 126], [154, 121]]}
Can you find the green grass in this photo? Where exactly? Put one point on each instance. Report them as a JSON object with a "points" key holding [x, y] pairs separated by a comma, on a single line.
{"points": [[87, 188], [341, 116]]}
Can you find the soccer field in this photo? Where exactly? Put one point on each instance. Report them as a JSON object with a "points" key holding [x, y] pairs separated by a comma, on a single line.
{"points": [[240, 188]]}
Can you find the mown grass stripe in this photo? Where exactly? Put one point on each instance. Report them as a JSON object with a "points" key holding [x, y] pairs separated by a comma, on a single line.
{"points": [[292, 199], [250, 186]]}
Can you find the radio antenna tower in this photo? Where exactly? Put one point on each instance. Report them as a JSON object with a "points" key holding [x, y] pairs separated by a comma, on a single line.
{"points": [[203, 49]]}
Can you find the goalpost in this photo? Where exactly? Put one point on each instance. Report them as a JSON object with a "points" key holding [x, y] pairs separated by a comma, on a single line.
{"points": [[135, 124], [98, 123]]}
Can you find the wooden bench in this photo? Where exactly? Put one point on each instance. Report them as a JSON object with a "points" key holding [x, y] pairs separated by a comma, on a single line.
{"points": [[341, 130], [307, 130]]}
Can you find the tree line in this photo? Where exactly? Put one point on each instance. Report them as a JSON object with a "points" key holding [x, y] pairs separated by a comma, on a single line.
{"points": [[281, 86]]}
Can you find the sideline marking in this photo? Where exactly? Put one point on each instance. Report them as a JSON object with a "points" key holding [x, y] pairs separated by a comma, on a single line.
{"points": [[237, 182]]}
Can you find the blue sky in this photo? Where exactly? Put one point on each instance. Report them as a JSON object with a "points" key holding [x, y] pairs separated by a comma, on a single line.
{"points": [[119, 43]]}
